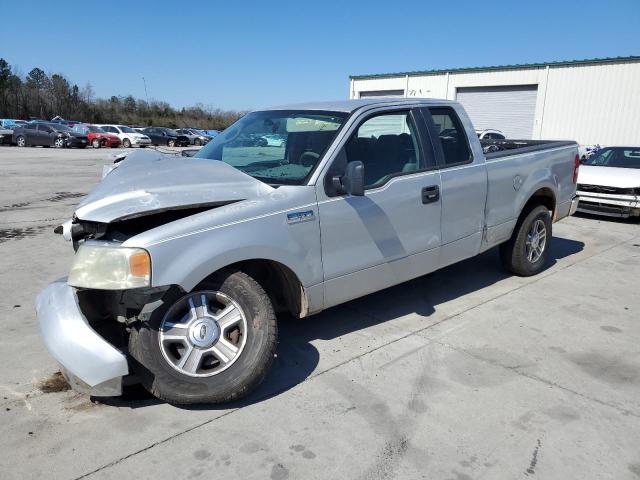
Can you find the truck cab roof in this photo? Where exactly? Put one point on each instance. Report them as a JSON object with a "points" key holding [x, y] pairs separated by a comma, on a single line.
{"points": [[353, 105]]}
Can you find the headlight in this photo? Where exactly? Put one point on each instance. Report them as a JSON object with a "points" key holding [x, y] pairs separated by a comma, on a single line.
{"points": [[108, 267]]}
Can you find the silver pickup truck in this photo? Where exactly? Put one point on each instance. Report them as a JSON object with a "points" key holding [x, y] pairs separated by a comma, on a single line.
{"points": [[182, 263]]}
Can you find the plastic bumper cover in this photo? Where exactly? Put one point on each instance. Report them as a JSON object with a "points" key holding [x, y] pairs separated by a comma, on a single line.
{"points": [[88, 361]]}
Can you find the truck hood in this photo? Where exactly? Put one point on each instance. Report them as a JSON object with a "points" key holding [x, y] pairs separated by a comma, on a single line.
{"points": [[148, 181], [609, 176]]}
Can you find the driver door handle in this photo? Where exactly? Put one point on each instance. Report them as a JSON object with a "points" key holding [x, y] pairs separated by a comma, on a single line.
{"points": [[430, 194]]}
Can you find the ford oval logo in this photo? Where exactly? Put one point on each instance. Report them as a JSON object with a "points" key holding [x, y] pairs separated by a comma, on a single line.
{"points": [[203, 332]]}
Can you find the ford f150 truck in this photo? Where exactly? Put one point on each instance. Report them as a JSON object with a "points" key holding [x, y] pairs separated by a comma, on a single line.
{"points": [[182, 264]]}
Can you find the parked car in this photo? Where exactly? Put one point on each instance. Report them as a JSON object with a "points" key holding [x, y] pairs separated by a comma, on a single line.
{"points": [[10, 122], [166, 137], [490, 134], [212, 133], [188, 259], [195, 137], [98, 137], [6, 135], [48, 135], [609, 182], [129, 136]]}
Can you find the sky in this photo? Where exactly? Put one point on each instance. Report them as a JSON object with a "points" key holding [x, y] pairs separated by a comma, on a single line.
{"points": [[243, 55]]}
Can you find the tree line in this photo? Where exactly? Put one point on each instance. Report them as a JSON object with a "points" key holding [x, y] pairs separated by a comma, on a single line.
{"points": [[38, 95]]}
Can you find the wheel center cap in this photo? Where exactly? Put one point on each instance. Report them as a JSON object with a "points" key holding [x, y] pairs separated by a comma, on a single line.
{"points": [[204, 332]]}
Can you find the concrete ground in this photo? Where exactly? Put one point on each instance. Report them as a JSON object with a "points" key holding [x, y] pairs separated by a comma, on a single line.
{"points": [[467, 373]]}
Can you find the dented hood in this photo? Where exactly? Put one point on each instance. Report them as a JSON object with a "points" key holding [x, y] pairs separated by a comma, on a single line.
{"points": [[147, 181]]}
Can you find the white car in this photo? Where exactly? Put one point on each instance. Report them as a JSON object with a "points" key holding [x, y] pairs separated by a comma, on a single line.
{"points": [[128, 135], [490, 134], [609, 183]]}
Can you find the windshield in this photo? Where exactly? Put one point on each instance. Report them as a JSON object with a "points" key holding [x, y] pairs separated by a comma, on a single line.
{"points": [[248, 146], [127, 129], [621, 157]]}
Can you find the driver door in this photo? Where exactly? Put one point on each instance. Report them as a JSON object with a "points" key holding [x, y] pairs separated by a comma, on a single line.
{"points": [[392, 233]]}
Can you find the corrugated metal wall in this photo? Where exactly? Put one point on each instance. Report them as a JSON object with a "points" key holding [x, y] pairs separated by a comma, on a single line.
{"points": [[594, 103]]}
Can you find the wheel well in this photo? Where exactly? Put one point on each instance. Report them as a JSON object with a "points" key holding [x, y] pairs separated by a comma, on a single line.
{"points": [[279, 282], [543, 196]]}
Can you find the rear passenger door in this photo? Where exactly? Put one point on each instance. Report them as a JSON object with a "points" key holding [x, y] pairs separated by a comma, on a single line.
{"points": [[464, 184], [31, 133], [392, 233]]}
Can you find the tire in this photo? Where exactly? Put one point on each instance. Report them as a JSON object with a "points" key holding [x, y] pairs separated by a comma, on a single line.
{"points": [[126, 143], [197, 142], [516, 254], [156, 358], [95, 143], [58, 143], [171, 143], [21, 141]]}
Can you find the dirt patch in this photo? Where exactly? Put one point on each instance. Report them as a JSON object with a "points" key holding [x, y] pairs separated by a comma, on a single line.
{"points": [[54, 383], [59, 196], [19, 233]]}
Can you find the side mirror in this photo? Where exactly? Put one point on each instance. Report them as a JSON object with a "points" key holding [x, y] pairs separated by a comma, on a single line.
{"points": [[352, 182]]}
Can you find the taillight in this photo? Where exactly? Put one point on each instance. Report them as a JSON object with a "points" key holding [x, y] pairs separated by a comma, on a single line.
{"points": [[576, 167]]}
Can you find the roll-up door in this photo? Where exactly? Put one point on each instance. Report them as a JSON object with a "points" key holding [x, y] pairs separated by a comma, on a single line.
{"points": [[510, 109]]}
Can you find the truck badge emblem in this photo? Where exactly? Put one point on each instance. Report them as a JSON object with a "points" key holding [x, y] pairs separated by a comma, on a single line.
{"points": [[298, 217]]}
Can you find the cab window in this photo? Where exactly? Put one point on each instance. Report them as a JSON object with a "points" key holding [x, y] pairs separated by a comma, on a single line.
{"points": [[451, 135], [387, 145]]}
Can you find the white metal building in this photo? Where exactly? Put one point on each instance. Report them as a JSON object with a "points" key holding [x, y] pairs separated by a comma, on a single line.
{"points": [[590, 101]]}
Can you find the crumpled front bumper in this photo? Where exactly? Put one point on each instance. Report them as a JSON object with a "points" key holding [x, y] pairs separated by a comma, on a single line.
{"points": [[90, 363], [611, 205]]}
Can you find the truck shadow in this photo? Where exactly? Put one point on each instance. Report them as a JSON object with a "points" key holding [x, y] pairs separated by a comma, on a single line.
{"points": [[298, 358]]}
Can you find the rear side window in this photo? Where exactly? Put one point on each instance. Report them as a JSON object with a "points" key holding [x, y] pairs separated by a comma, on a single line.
{"points": [[453, 139]]}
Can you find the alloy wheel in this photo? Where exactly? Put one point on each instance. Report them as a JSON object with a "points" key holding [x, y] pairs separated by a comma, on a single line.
{"points": [[536, 241], [203, 334]]}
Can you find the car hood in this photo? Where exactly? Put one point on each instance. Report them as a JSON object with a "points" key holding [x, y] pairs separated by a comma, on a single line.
{"points": [[147, 182], [609, 176]]}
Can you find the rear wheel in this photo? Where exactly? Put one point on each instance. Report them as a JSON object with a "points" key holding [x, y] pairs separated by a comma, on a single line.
{"points": [[171, 143], [525, 254], [21, 141], [212, 345], [197, 142], [58, 142], [126, 143], [95, 143]]}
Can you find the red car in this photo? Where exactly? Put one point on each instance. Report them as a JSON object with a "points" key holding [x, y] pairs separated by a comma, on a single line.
{"points": [[97, 137]]}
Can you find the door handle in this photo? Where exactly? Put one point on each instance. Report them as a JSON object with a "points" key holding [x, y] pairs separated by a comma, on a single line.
{"points": [[430, 194]]}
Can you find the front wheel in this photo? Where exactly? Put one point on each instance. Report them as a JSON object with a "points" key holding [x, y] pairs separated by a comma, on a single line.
{"points": [[126, 143], [212, 345], [96, 143], [171, 143], [21, 141], [197, 142], [525, 254], [58, 143]]}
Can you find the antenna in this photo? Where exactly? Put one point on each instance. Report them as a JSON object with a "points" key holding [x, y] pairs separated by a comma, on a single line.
{"points": [[145, 89]]}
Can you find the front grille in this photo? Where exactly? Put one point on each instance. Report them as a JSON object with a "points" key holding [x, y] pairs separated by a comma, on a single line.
{"points": [[596, 207], [603, 189]]}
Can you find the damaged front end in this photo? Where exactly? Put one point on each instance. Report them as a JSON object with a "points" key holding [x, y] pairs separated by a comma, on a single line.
{"points": [[86, 319]]}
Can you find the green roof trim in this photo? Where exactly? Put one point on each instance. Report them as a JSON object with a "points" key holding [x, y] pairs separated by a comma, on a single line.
{"points": [[518, 66]]}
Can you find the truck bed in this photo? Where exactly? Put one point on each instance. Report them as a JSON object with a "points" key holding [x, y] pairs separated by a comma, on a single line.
{"points": [[501, 148]]}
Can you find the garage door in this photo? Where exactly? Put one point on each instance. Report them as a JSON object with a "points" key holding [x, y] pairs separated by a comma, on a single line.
{"points": [[510, 108], [382, 93]]}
